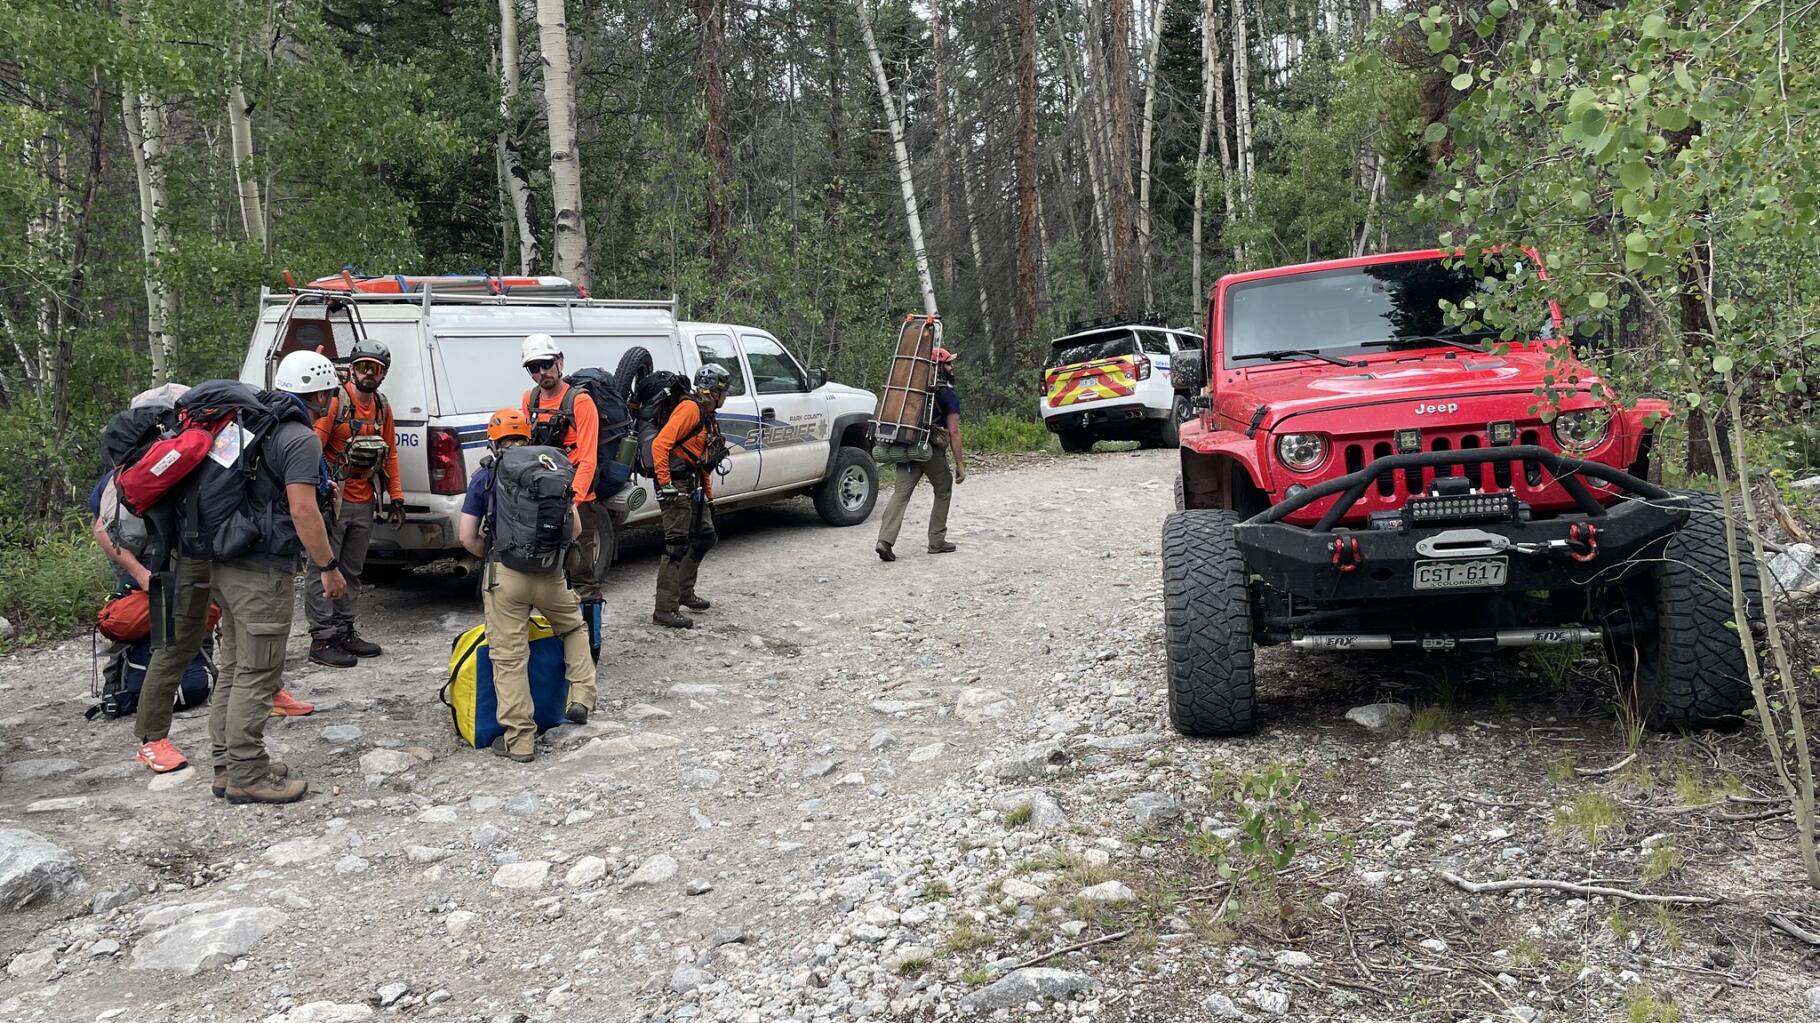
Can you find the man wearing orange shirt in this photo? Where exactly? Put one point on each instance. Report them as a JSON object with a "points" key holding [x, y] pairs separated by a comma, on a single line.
{"points": [[360, 444], [684, 455], [564, 417]]}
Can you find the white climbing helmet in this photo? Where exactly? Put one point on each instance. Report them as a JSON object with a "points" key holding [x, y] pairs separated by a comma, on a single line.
{"points": [[305, 373], [538, 347]]}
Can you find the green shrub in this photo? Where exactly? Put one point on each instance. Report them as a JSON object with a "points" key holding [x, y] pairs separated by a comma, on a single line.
{"points": [[51, 586], [1002, 433]]}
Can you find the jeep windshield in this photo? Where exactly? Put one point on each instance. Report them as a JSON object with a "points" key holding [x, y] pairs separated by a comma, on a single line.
{"points": [[1104, 344], [1356, 310]]}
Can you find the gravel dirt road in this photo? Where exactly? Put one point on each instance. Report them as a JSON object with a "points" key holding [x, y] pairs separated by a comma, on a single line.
{"points": [[860, 790]]}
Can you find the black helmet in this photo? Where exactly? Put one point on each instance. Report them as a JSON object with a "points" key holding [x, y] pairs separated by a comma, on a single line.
{"points": [[712, 376], [367, 348]]}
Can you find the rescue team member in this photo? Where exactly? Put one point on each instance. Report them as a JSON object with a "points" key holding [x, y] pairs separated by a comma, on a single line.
{"points": [[509, 598], [190, 609], [944, 433], [684, 455], [578, 432], [360, 444], [257, 592]]}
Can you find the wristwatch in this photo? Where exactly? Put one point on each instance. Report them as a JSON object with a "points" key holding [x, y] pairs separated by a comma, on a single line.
{"points": [[334, 563]]}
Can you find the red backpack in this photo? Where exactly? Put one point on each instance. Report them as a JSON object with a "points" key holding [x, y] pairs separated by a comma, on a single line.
{"points": [[203, 415]]}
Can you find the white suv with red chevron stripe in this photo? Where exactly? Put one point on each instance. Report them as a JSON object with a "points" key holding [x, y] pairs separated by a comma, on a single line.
{"points": [[1110, 380]]}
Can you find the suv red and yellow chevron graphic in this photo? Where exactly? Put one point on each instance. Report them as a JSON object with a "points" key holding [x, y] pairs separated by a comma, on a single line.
{"points": [[1091, 381]]}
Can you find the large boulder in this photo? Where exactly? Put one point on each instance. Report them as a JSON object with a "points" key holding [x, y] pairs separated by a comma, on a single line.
{"points": [[206, 940], [1033, 983], [32, 870]]}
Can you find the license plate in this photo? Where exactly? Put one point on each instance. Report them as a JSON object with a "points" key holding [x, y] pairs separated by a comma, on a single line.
{"points": [[1453, 575]]}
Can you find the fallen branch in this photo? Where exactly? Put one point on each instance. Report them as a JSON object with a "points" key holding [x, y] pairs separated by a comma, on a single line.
{"points": [[1076, 947], [1593, 772], [1760, 815], [1523, 883], [1785, 923]]}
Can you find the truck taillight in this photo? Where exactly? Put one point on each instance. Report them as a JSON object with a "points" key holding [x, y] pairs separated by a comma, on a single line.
{"points": [[448, 473], [1143, 368], [1042, 382]]}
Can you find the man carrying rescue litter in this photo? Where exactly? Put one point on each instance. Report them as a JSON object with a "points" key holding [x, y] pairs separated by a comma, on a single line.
{"points": [[944, 435]]}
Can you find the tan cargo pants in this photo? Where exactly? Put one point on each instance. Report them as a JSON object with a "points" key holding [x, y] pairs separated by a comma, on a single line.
{"points": [[941, 480], [509, 597], [256, 611]]}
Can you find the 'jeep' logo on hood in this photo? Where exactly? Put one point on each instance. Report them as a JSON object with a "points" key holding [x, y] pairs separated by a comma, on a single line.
{"points": [[1435, 410]]}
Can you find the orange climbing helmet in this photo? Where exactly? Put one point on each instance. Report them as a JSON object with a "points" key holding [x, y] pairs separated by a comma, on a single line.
{"points": [[943, 356], [508, 422]]}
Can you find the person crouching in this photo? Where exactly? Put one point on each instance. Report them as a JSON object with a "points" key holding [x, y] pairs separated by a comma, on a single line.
{"points": [[518, 516]]}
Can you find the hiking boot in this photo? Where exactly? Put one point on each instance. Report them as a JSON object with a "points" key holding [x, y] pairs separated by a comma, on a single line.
{"points": [[277, 769], [499, 750], [269, 789], [329, 652], [695, 603], [672, 620], [161, 756], [353, 644], [884, 552], [284, 705], [944, 548], [577, 713]]}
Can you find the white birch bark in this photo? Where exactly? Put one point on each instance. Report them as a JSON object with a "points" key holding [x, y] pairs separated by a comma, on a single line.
{"points": [[1090, 142], [1209, 71], [145, 136], [513, 180], [1244, 162], [979, 267], [240, 132], [571, 242], [1151, 60], [904, 180]]}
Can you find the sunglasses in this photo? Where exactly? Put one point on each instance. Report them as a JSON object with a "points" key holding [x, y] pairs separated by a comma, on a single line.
{"points": [[539, 366], [369, 366]]}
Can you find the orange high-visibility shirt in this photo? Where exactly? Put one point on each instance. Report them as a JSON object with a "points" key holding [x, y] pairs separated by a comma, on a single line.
{"points": [[366, 423], [581, 441], [683, 421]]}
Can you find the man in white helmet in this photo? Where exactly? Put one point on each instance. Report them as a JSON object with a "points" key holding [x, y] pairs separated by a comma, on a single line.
{"points": [[257, 589], [565, 417]]}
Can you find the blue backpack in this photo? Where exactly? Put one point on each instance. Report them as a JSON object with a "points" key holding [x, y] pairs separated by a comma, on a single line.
{"points": [[118, 682]]}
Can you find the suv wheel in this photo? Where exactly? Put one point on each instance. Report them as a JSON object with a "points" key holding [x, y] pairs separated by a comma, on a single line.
{"points": [[1682, 665], [1169, 433], [1076, 441], [846, 497], [1207, 625]]}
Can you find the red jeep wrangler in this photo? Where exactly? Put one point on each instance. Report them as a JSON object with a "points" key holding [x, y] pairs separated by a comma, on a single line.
{"points": [[1362, 476]]}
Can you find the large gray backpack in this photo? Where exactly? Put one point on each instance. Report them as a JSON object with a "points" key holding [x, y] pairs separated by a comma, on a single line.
{"points": [[528, 522]]}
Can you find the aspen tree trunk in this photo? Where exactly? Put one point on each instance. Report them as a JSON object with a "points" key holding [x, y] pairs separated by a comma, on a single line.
{"points": [[1028, 215], [1209, 71], [1151, 60], [44, 243], [711, 16], [1243, 162], [994, 342], [145, 136], [571, 241], [1118, 73], [1090, 148], [914, 222], [944, 138], [514, 180], [240, 132]]}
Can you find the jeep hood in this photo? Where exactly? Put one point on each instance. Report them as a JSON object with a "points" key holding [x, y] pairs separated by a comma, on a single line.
{"points": [[1327, 388]]}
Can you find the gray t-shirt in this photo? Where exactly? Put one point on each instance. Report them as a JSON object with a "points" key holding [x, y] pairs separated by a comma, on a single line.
{"points": [[293, 454]]}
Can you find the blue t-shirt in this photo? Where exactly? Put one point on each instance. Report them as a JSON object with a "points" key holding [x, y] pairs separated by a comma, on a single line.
{"points": [[94, 496], [947, 403], [479, 493]]}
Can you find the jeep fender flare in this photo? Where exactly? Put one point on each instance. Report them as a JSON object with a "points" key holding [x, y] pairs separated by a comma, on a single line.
{"points": [[847, 430], [1219, 470]]}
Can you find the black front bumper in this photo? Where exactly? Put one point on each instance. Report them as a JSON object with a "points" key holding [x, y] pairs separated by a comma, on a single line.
{"points": [[1593, 546]]}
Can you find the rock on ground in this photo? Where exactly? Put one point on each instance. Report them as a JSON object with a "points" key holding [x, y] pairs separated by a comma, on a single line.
{"points": [[32, 870], [207, 940], [517, 876], [1029, 984], [656, 870], [1379, 716], [324, 1012]]}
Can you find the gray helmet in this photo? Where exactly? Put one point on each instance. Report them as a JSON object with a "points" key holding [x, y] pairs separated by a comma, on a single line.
{"points": [[711, 376], [367, 348]]}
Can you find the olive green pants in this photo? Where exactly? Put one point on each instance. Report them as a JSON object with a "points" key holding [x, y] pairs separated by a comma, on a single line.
{"points": [[585, 562], [509, 597], [350, 534], [256, 611], [941, 480], [164, 673], [688, 537]]}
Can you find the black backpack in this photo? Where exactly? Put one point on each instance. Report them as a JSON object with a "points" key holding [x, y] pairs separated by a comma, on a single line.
{"points": [[653, 403], [120, 680], [527, 522], [220, 518], [550, 426], [129, 433]]}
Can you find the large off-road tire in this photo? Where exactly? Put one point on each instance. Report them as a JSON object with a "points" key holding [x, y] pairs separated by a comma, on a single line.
{"points": [[849, 493], [1207, 625], [1076, 441], [1682, 666], [1181, 499], [634, 366]]}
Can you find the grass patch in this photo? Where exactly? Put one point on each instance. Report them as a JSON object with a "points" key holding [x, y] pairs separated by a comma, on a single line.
{"points": [[1003, 434], [1663, 861], [967, 938], [1643, 1005], [913, 967], [1694, 787], [1526, 952], [1019, 815], [1431, 720], [937, 890], [1561, 770], [975, 976], [1667, 920], [1554, 664], [1594, 816], [1618, 924], [52, 587]]}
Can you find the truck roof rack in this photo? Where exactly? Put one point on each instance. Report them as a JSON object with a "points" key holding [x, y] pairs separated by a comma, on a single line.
{"points": [[1148, 319]]}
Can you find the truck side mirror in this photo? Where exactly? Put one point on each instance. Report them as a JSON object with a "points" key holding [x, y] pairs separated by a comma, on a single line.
{"points": [[1188, 371], [818, 378]]}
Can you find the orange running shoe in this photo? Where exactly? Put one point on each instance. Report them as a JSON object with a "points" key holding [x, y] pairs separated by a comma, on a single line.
{"points": [[284, 705], [161, 756]]}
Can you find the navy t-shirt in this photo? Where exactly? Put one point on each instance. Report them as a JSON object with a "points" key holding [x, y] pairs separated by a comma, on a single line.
{"points": [[479, 493], [94, 496], [947, 403]]}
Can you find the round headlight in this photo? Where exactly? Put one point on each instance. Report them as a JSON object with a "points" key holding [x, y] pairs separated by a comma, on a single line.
{"points": [[1301, 451], [1582, 429]]}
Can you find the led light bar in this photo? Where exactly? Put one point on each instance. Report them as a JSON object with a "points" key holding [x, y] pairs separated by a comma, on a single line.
{"points": [[1424, 511]]}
